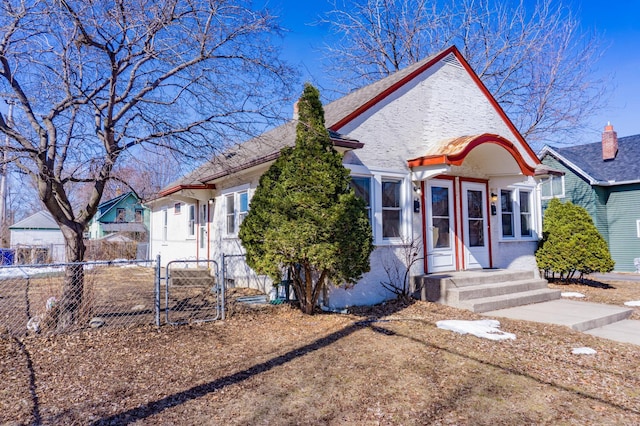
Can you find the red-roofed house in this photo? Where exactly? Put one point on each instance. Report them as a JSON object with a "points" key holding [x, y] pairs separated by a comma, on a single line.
{"points": [[428, 148]]}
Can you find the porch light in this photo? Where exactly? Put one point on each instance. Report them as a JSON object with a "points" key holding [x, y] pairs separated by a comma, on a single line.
{"points": [[494, 200]]}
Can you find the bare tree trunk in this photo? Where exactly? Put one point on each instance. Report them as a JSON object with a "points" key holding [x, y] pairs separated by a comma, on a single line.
{"points": [[308, 286], [73, 286]]}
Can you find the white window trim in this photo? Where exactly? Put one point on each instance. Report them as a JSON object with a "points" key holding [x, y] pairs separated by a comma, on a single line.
{"points": [[235, 191], [552, 196], [638, 228], [406, 202], [370, 205], [515, 200], [192, 208], [165, 224]]}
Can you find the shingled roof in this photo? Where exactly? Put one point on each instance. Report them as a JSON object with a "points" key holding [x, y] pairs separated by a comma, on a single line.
{"points": [[267, 146], [587, 160], [40, 220]]}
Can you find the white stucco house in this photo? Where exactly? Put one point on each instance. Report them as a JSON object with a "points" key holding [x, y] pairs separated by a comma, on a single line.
{"points": [[431, 151]]}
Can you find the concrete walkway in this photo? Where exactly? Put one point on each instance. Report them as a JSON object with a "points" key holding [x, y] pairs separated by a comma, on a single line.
{"points": [[597, 319]]}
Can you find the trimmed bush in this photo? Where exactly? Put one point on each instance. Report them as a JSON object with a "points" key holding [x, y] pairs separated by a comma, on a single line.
{"points": [[571, 243]]}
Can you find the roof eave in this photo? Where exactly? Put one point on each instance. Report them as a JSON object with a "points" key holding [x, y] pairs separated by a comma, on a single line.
{"points": [[616, 183], [177, 188]]}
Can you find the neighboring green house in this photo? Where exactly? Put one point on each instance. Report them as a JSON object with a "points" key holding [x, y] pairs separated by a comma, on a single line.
{"points": [[604, 178], [124, 215]]}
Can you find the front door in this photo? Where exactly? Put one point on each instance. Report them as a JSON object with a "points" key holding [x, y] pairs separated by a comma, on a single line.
{"points": [[475, 225], [441, 255]]}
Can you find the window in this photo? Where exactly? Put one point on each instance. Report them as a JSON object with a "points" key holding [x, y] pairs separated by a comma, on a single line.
{"points": [[362, 188], [526, 224], [121, 215], [506, 207], [516, 213], [191, 225], [387, 202], [243, 206], [139, 214], [204, 218], [165, 224], [231, 217], [552, 187], [176, 208], [391, 210], [236, 208]]}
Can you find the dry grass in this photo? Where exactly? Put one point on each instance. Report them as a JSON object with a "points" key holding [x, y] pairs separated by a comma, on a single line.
{"points": [[272, 365]]}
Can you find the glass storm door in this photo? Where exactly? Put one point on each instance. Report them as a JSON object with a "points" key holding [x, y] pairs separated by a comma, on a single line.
{"points": [[202, 229], [440, 226], [475, 225]]}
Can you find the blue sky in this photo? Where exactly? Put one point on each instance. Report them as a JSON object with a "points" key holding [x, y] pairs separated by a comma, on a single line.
{"points": [[615, 22]]}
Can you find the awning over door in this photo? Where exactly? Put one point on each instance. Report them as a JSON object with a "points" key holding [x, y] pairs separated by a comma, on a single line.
{"points": [[504, 156]]}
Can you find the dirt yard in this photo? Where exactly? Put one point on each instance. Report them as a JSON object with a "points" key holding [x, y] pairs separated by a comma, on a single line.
{"points": [[386, 365]]}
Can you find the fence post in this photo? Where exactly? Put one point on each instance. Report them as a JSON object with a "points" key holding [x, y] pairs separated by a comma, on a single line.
{"points": [[157, 291], [223, 284]]}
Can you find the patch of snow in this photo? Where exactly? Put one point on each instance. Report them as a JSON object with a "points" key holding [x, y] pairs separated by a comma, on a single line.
{"points": [[487, 329], [632, 303], [20, 272], [583, 351], [571, 294]]}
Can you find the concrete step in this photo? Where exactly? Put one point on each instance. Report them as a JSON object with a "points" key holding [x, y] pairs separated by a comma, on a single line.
{"points": [[196, 277], [627, 331], [476, 277], [493, 303], [434, 288], [578, 315], [602, 320], [459, 294]]}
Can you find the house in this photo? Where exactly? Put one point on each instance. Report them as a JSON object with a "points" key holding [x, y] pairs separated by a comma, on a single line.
{"points": [[604, 178], [37, 239], [124, 214], [431, 151]]}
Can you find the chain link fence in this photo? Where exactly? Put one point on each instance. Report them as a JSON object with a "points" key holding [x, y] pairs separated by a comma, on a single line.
{"points": [[193, 292], [65, 297]]}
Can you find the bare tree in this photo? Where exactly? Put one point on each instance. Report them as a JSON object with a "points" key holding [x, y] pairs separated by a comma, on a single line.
{"points": [[146, 174], [95, 81], [533, 56]]}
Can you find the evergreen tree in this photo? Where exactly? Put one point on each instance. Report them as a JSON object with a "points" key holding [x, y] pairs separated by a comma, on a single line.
{"points": [[571, 243], [304, 219]]}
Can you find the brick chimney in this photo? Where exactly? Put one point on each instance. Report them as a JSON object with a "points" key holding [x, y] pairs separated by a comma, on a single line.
{"points": [[609, 143]]}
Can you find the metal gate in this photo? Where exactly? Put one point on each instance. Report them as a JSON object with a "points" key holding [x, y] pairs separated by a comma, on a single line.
{"points": [[194, 292]]}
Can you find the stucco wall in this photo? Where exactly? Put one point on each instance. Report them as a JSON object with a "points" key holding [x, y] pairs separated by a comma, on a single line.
{"points": [[178, 245], [443, 103]]}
